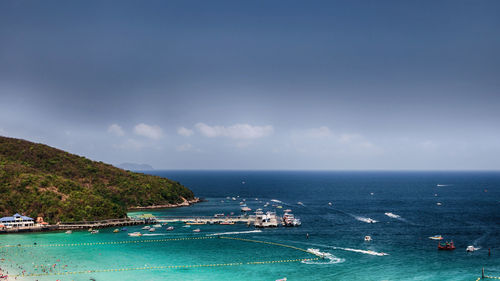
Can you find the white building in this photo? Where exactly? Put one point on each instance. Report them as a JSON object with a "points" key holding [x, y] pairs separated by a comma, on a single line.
{"points": [[17, 221]]}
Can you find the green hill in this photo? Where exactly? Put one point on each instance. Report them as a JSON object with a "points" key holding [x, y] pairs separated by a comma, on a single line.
{"points": [[38, 180]]}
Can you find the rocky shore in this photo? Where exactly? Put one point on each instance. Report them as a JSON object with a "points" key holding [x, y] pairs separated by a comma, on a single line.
{"points": [[184, 203]]}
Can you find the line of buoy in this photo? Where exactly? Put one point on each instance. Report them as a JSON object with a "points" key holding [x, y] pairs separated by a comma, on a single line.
{"points": [[270, 243], [107, 243], [164, 267]]}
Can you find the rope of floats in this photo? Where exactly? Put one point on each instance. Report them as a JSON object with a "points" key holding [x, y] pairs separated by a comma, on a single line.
{"points": [[163, 267], [106, 243], [167, 266]]}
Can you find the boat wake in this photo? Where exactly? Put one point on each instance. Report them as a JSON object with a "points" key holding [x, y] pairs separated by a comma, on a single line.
{"points": [[326, 258], [154, 234], [441, 185], [366, 252], [363, 219], [235, 232]]}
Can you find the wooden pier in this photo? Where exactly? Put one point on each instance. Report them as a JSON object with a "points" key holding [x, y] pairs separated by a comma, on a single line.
{"points": [[207, 220], [100, 224]]}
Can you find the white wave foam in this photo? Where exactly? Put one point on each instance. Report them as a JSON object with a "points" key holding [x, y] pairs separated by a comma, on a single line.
{"points": [[363, 219], [153, 234], [276, 201], [235, 232], [368, 252], [326, 258], [392, 215], [441, 185]]}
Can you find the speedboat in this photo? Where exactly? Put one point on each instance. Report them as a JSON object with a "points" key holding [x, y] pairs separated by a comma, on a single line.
{"points": [[368, 238], [228, 222], [186, 225], [94, 232], [170, 228], [392, 215], [135, 234], [68, 232], [147, 227], [447, 246], [436, 237], [152, 229], [330, 204], [116, 230], [195, 222], [157, 225], [196, 230], [301, 204], [470, 249]]}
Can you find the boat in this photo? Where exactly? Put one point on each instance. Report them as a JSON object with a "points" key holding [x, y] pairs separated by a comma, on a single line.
{"points": [[94, 232], [282, 279], [289, 219], [116, 230], [446, 246], [68, 232], [157, 226], [227, 222], [152, 229], [186, 225], [124, 229], [279, 207], [196, 230], [301, 204], [330, 204], [368, 238], [439, 203], [135, 234], [219, 215], [245, 209], [470, 249], [147, 227], [170, 228], [436, 237]]}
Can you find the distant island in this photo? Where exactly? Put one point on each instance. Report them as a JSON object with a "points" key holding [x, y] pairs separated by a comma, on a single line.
{"points": [[37, 180], [135, 167]]}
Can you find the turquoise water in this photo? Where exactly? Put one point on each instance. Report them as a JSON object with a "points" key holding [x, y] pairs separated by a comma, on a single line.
{"points": [[468, 215]]}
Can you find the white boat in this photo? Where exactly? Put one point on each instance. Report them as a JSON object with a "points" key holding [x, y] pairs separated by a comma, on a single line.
{"points": [[69, 232], [196, 230], [147, 227], [170, 228], [392, 215], [368, 238], [152, 229], [187, 225], [94, 232], [135, 234], [157, 226], [301, 204], [330, 204], [439, 203], [470, 249]]}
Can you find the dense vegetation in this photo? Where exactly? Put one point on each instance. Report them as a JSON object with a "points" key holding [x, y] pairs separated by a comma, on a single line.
{"points": [[38, 180]]}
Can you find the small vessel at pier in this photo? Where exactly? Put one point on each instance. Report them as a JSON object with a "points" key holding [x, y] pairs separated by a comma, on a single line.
{"points": [[157, 226], [94, 232], [196, 230], [68, 232], [289, 219], [195, 222], [152, 229], [170, 228], [116, 230], [268, 219], [147, 227], [227, 222], [135, 234]]}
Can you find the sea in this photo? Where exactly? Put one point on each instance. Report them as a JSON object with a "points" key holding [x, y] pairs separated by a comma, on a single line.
{"points": [[398, 210]]}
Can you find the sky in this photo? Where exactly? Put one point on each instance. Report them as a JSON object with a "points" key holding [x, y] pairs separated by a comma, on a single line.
{"points": [[259, 85]]}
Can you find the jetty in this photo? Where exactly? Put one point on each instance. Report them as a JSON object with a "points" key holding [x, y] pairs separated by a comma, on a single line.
{"points": [[205, 219]]}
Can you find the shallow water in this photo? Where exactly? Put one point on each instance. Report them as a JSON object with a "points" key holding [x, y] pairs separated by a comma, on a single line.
{"points": [[468, 215]]}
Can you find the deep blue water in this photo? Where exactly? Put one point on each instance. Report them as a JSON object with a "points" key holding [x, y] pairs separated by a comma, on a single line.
{"points": [[469, 215]]}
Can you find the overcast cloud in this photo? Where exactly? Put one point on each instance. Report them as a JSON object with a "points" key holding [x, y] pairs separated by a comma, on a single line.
{"points": [[256, 85]]}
